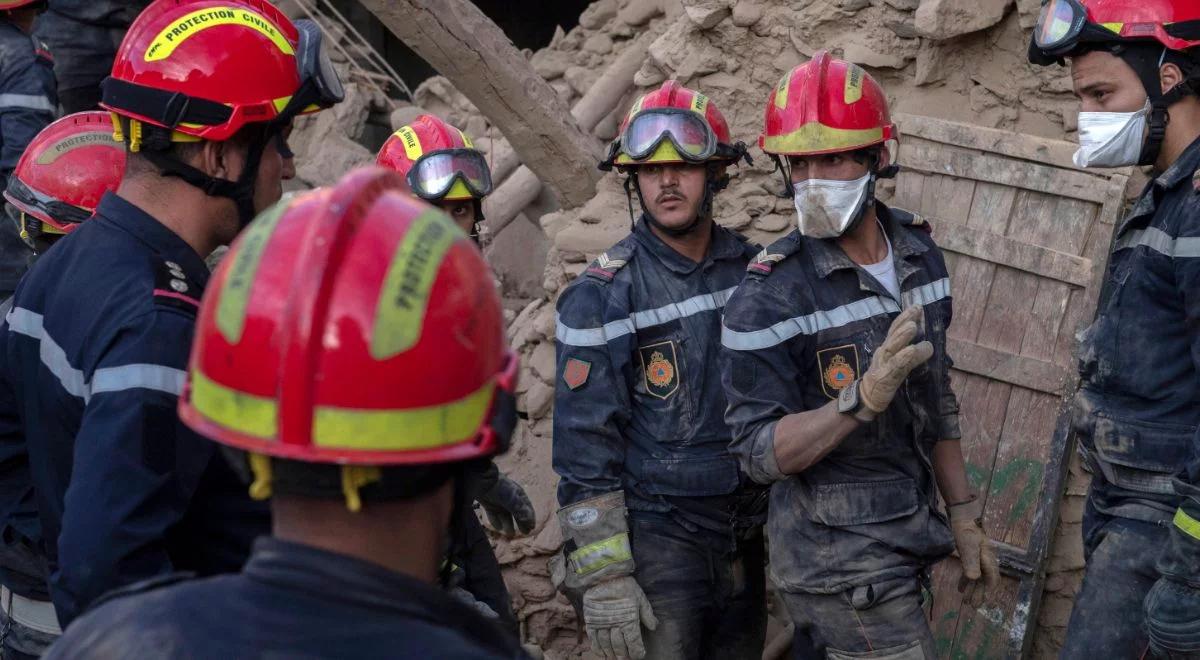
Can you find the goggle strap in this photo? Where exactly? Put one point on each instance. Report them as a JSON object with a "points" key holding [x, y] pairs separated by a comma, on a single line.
{"points": [[162, 107]]}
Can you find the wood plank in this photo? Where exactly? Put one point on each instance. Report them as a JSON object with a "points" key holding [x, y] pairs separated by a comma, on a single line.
{"points": [[1058, 153], [1021, 459], [464, 45], [1006, 367], [1023, 256], [935, 158]]}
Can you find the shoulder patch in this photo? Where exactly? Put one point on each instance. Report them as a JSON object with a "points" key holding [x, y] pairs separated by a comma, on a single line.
{"points": [[607, 265], [765, 261], [151, 584], [43, 51], [172, 288]]}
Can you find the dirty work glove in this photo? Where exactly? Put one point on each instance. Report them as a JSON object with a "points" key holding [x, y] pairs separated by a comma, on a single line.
{"points": [[974, 549], [508, 508], [614, 612], [894, 359]]}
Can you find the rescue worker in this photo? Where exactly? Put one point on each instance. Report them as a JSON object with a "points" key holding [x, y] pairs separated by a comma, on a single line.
{"points": [[99, 331], [442, 166], [662, 530], [1135, 66], [836, 371], [84, 35], [28, 100], [366, 446], [57, 185]]}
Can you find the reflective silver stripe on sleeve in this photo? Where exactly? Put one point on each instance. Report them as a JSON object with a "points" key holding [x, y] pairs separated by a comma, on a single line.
{"points": [[584, 337], [811, 324], [1161, 242], [26, 102], [110, 379]]}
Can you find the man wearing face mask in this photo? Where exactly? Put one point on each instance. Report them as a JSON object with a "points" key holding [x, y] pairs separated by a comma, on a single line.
{"points": [[1135, 66], [835, 368], [661, 527]]}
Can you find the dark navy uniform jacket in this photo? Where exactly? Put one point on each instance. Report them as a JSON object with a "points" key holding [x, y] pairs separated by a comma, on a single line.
{"points": [[804, 325], [28, 100], [638, 398], [96, 347], [1138, 408], [291, 601]]}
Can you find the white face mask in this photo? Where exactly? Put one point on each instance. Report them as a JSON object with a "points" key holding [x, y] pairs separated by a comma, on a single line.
{"points": [[1111, 139], [825, 208]]}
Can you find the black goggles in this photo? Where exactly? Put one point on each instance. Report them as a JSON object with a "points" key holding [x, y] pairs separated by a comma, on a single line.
{"points": [[434, 174], [320, 84], [60, 211]]}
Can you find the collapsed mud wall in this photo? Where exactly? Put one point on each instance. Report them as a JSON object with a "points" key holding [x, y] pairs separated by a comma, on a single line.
{"points": [[961, 60]]}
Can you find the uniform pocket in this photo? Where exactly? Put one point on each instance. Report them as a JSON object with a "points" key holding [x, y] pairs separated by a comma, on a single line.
{"points": [[848, 504], [690, 477]]}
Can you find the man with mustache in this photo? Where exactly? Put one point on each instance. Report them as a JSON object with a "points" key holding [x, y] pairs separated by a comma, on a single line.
{"points": [[662, 529]]}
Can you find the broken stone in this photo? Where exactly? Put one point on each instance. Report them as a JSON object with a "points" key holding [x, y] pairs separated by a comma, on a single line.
{"points": [[909, 5], [598, 13], [581, 78], [931, 63], [538, 399], [853, 6], [904, 29], [403, 116], [747, 13], [944, 19], [599, 43], [639, 12], [772, 222], [705, 14], [542, 361], [649, 75], [551, 64]]}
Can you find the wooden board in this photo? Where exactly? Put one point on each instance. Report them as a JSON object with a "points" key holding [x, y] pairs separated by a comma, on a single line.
{"points": [[1026, 235]]}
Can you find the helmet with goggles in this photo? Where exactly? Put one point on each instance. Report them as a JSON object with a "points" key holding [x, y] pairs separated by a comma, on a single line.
{"points": [[673, 124], [439, 161], [191, 70], [62, 175]]}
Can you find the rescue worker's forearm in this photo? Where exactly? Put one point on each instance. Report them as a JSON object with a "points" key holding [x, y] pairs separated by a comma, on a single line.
{"points": [[802, 439], [951, 471]]}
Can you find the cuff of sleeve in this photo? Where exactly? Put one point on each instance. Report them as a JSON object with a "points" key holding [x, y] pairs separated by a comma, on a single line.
{"points": [[764, 465], [948, 428]]}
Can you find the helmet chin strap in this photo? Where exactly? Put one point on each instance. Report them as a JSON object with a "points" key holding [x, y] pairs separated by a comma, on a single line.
{"points": [[1147, 62], [713, 183]]}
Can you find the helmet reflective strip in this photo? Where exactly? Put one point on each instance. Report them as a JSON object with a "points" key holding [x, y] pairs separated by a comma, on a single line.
{"points": [[235, 292], [245, 413], [781, 92], [412, 144], [193, 23], [699, 103], [814, 138], [68, 144], [1115, 28], [466, 140], [405, 429], [854, 84], [400, 313], [595, 556]]}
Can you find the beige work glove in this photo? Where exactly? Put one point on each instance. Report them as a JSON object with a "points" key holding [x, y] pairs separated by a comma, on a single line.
{"points": [[614, 612], [895, 358], [974, 549]]}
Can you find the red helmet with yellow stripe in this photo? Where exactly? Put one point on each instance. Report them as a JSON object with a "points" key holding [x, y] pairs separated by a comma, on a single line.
{"points": [[439, 161], [383, 346], [825, 106], [64, 172], [6, 5], [673, 124]]}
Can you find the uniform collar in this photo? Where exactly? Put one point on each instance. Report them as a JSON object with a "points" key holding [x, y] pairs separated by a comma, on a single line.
{"points": [[156, 235], [1183, 168], [334, 576], [724, 245], [828, 257]]}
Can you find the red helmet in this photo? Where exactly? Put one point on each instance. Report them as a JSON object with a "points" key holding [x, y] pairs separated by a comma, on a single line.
{"points": [[673, 124], [825, 106], [5, 5], [65, 171], [383, 346], [439, 161], [206, 68], [1065, 25]]}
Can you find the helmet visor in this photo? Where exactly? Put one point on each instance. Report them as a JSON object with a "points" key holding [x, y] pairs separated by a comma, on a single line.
{"points": [[687, 131], [434, 174], [1059, 27]]}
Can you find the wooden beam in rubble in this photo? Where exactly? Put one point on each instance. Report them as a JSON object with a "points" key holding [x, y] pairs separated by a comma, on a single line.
{"points": [[464, 45]]}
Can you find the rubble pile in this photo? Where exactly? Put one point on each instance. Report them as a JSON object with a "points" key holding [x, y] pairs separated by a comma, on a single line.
{"points": [[962, 60]]}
